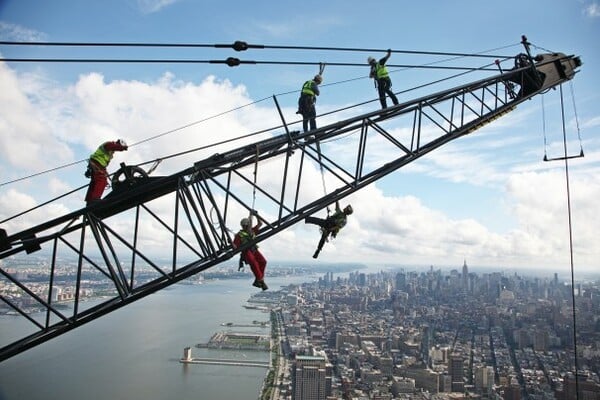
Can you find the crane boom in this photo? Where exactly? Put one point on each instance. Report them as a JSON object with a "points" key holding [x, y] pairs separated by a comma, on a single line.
{"points": [[117, 239]]}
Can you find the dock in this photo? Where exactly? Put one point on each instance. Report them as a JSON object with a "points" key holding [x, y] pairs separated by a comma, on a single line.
{"points": [[220, 361]]}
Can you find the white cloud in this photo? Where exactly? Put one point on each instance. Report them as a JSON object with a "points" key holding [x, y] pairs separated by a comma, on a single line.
{"points": [[13, 202], [15, 32], [295, 26], [26, 140], [152, 6], [592, 10]]}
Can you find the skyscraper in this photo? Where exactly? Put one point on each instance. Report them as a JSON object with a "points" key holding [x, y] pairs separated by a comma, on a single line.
{"points": [[309, 378], [455, 370], [465, 276]]}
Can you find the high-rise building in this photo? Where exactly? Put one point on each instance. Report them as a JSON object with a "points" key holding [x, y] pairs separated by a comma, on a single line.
{"points": [[465, 275], [484, 379], [400, 281], [425, 343], [587, 389], [309, 378], [455, 370], [512, 392]]}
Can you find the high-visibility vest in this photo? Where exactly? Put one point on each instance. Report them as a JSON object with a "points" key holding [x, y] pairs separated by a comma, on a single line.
{"points": [[381, 71], [102, 156], [246, 237], [307, 88]]}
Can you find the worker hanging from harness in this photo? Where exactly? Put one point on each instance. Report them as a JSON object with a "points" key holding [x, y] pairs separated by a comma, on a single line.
{"points": [[252, 256], [307, 100], [382, 79], [330, 225]]}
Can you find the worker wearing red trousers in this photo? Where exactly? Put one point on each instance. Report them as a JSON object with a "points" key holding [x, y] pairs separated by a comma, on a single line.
{"points": [[252, 255], [97, 164]]}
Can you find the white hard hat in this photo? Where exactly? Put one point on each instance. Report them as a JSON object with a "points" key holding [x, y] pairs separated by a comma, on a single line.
{"points": [[122, 142], [245, 222]]}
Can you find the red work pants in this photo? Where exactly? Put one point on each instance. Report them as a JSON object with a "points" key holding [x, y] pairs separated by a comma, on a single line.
{"points": [[98, 182], [257, 263]]}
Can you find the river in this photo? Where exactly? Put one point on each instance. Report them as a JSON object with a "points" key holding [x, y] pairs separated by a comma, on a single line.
{"points": [[134, 352]]}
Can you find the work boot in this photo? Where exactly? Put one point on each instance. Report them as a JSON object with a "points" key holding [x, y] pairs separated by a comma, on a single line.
{"points": [[256, 283], [316, 254], [263, 285]]}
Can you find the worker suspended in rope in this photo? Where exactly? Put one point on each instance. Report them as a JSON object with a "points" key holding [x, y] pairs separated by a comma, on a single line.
{"points": [[96, 169], [307, 100], [330, 225], [251, 256], [382, 79]]}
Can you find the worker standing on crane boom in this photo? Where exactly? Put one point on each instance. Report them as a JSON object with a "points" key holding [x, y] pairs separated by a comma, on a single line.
{"points": [[382, 79], [307, 100], [96, 170]]}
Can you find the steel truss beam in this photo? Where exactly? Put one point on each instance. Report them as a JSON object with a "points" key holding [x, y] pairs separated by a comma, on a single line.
{"points": [[185, 217]]}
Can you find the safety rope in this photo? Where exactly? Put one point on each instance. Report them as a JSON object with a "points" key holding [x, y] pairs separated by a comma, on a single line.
{"points": [[322, 171], [576, 118], [544, 128], [255, 177]]}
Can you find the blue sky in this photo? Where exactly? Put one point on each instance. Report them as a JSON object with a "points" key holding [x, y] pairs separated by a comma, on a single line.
{"points": [[487, 198]]}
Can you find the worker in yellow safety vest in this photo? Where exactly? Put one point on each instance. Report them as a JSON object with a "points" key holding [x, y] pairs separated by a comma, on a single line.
{"points": [[382, 79], [96, 170], [307, 100]]}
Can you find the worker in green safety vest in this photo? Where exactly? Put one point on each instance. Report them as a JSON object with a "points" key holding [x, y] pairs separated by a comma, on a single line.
{"points": [[96, 169], [307, 100], [330, 225], [382, 79]]}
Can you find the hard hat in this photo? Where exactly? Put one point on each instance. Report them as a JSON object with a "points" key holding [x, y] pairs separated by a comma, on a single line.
{"points": [[318, 78], [245, 222], [122, 142], [370, 60], [348, 210]]}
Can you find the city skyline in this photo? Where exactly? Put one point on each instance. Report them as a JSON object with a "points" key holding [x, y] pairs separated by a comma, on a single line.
{"points": [[429, 316]]}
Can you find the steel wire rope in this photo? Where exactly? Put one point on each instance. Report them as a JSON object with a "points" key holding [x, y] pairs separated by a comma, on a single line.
{"points": [[241, 46], [229, 61], [571, 260]]}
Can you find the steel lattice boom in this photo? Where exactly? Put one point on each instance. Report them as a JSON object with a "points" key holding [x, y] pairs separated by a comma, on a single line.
{"points": [[186, 215]]}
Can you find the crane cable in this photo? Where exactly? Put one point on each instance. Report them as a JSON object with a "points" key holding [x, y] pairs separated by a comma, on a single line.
{"points": [[238, 46], [566, 158], [570, 245], [581, 153]]}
